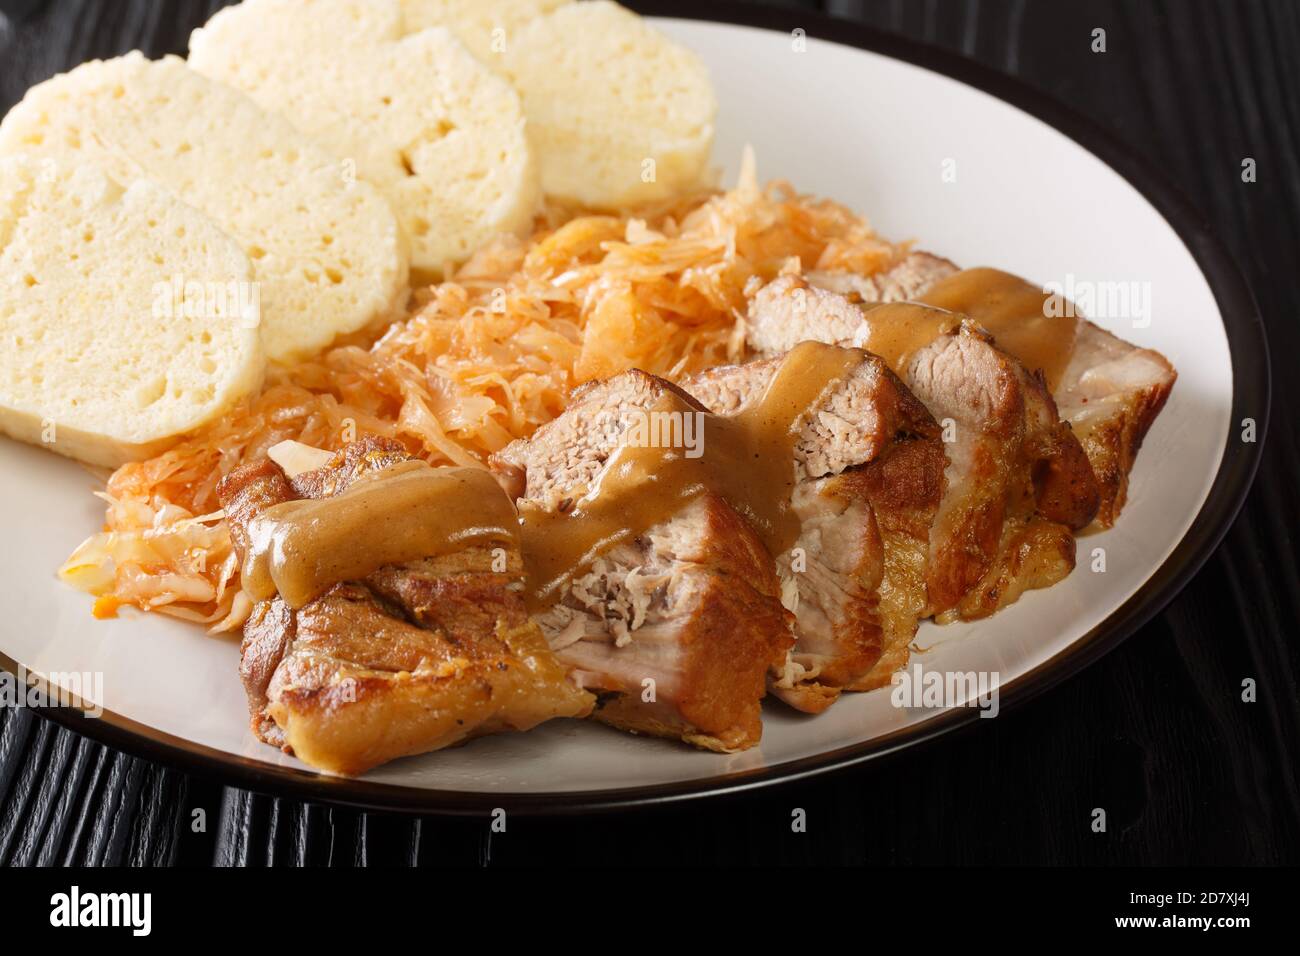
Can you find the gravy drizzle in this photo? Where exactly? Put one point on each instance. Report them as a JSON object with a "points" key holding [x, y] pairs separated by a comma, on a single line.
{"points": [[748, 460], [1014, 312], [898, 330], [404, 512]]}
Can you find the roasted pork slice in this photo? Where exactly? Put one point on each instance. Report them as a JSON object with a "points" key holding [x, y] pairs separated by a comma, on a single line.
{"points": [[850, 577], [1010, 459], [1110, 391], [657, 593], [906, 281], [1001, 427], [1066, 492], [412, 657], [1011, 462]]}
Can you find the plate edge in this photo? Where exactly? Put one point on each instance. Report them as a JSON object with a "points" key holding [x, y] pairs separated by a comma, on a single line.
{"points": [[1252, 390]]}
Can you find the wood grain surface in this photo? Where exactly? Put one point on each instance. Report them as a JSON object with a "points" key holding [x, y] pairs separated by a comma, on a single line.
{"points": [[1156, 732]]}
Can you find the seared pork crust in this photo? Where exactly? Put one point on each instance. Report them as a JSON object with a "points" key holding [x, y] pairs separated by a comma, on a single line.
{"points": [[905, 486], [416, 657]]}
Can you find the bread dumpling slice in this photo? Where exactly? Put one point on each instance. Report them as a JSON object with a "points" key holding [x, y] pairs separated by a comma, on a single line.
{"points": [[325, 247], [439, 133], [128, 318], [485, 26], [618, 113]]}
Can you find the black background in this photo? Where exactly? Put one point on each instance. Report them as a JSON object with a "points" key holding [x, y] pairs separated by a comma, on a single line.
{"points": [[1156, 732]]}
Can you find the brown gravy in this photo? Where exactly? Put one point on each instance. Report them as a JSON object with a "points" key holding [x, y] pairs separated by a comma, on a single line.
{"points": [[747, 459], [404, 512], [898, 330], [1015, 313], [1018, 315]]}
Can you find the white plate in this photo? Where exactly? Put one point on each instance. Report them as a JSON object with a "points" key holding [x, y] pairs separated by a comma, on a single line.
{"points": [[877, 134]]}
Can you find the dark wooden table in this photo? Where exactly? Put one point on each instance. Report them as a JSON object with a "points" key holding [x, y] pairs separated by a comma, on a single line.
{"points": [[1156, 732]]}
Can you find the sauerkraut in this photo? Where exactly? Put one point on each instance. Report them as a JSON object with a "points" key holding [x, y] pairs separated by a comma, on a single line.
{"points": [[483, 359]]}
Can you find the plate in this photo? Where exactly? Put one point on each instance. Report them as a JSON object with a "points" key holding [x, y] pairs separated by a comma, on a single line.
{"points": [[973, 165]]}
